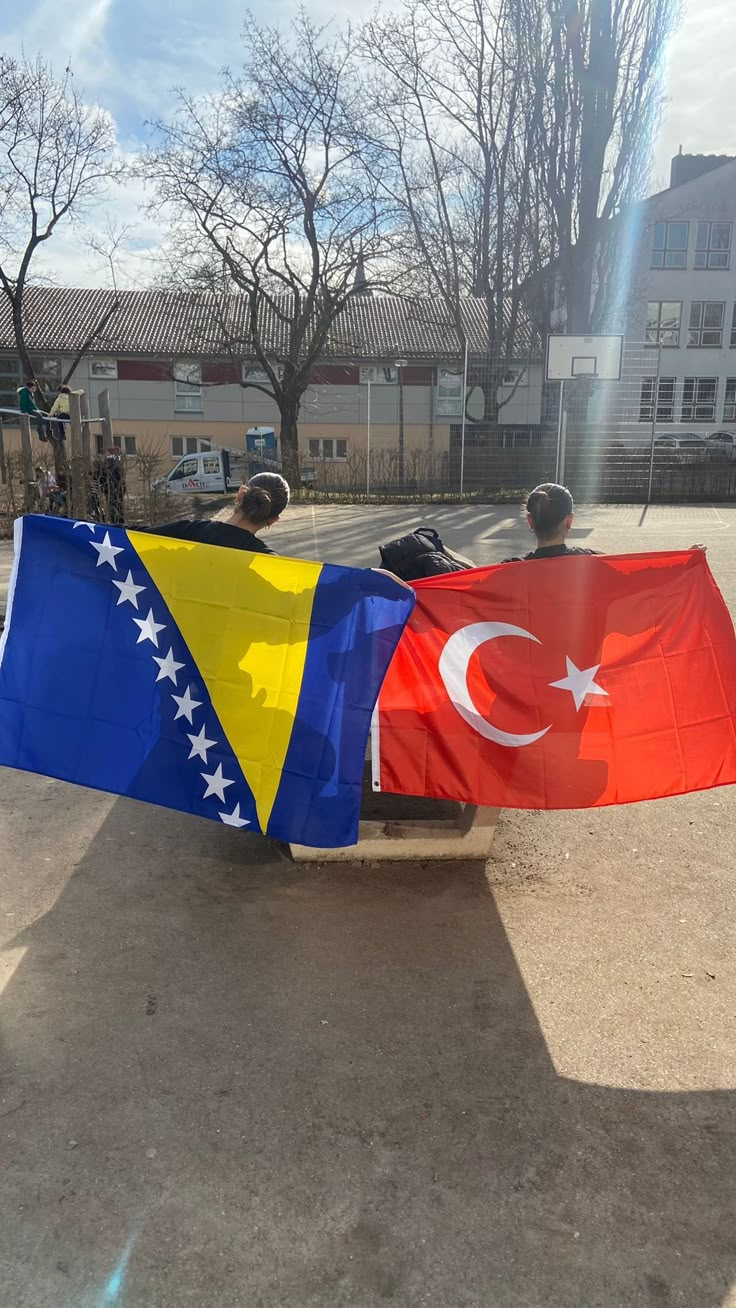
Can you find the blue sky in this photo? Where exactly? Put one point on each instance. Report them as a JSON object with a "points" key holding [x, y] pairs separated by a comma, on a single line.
{"points": [[128, 54]]}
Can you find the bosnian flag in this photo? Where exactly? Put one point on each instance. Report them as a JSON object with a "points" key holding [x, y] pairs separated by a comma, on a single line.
{"points": [[230, 685], [562, 683]]}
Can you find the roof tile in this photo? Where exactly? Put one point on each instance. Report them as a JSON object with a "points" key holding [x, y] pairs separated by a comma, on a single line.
{"points": [[169, 324]]}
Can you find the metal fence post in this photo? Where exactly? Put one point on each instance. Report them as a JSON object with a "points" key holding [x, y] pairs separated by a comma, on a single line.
{"points": [[399, 368], [655, 402], [462, 427], [79, 468]]}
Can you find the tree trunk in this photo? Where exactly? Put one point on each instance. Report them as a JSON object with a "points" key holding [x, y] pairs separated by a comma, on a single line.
{"points": [[289, 408], [20, 339], [61, 462]]}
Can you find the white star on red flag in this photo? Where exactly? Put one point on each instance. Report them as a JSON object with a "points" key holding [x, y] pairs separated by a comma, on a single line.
{"points": [[580, 682]]}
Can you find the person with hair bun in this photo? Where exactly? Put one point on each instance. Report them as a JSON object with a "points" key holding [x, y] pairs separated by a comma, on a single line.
{"points": [[258, 505], [550, 512]]}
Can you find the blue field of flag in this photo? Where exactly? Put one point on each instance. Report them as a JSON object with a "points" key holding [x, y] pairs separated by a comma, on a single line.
{"points": [[231, 685]]}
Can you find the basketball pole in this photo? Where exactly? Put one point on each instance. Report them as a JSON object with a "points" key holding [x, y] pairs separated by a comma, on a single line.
{"points": [[561, 433]]}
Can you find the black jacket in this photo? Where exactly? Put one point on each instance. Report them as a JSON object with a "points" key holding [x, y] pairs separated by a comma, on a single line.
{"points": [[211, 532]]}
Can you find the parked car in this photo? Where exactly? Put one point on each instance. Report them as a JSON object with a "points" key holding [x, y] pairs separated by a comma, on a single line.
{"points": [[686, 447], [722, 444]]}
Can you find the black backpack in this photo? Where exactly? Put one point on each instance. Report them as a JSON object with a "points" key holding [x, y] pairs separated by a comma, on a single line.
{"points": [[420, 554]]}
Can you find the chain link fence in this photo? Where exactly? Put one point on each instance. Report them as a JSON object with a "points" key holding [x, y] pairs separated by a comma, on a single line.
{"points": [[664, 432]]}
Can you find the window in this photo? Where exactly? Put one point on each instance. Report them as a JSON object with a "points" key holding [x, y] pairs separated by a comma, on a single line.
{"points": [[211, 464], [186, 469], [449, 394], [331, 450], [663, 322], [126, 443], [188, 388], [713, 245], [189, 445], [733, 328], [706, 323], [106, 369], [729, 400], [9, 383], [665, 399], [699, 399], [669, 245], [380, 376]]}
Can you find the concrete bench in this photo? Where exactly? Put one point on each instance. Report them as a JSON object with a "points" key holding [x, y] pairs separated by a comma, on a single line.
{"points": [[400, 827]]}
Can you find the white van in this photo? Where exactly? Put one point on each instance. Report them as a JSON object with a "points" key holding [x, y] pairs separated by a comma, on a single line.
{"points": [[215, 472]]}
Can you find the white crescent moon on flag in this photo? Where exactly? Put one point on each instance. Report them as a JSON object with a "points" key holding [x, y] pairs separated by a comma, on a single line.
{"points": [[453, 669]]}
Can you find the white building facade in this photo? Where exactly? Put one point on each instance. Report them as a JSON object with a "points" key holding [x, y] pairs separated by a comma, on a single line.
{"points": [[675, 302]]}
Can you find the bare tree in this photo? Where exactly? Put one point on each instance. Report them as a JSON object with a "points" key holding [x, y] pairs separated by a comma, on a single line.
{"points": [[12, 87], [513, 132], [458, 97], [56, 158], [107, 246], [602, 102], [269, 196]]}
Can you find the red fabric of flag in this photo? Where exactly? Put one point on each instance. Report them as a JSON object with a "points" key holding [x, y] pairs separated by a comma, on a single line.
{"points": [[562, 683]]}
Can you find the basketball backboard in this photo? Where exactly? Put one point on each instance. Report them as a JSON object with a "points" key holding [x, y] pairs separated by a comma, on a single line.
{"points": [[569, 357]]}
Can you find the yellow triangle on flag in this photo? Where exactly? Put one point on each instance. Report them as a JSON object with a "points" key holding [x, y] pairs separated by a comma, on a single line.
{"points": [[245, 619]]}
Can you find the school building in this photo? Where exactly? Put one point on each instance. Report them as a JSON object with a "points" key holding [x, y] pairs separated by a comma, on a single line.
{"points": [[178, 380]]}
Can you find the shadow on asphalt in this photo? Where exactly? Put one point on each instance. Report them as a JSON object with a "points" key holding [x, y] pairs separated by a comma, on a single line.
{"points": [[242, 1082]]}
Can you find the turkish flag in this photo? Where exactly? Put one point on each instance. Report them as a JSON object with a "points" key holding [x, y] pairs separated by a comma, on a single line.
{"points": [[562, 683]]}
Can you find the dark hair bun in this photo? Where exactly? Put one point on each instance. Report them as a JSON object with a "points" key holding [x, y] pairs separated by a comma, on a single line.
{"points": [[256, 505], [548, 506], [264, 497]]}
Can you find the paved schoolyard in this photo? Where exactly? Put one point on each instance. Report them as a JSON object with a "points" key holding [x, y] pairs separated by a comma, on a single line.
{"points": [[227, 1080], [488, 533]]}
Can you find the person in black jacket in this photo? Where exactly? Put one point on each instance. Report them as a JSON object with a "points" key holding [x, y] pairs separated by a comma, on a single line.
{"points": [[258, 505], [550, 512]]}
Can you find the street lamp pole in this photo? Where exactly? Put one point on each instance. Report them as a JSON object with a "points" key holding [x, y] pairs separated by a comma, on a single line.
{"points": [[368, 447], [400, 364]]}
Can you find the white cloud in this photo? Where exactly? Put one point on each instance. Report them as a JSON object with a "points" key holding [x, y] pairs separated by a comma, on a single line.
{"points": [[699, 85], [128, 54], [73, 35], [70, 259]]}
